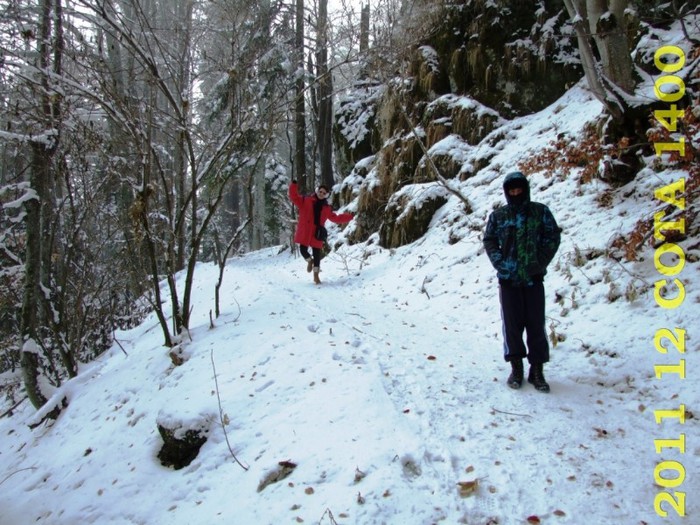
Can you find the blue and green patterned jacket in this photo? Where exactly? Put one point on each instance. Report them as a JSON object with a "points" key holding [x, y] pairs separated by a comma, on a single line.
{"points": [[521, 239]]}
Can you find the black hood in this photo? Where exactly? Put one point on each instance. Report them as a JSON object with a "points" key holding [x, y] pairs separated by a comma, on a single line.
{"points": [[515, 180]]}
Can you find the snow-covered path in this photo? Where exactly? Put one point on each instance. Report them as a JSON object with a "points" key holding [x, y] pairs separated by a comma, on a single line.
{"points": [[384, 385], [434, 366], [443, 372]]}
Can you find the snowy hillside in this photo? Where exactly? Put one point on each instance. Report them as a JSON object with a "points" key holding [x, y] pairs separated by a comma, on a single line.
{"points": [[385, 385]]}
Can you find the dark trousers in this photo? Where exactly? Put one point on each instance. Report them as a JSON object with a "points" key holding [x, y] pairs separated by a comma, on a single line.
{"points": [[304, 251], [522, 309]]}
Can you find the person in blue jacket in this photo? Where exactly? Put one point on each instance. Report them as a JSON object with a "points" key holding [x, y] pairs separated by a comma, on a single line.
{"points": [[521, 239]]}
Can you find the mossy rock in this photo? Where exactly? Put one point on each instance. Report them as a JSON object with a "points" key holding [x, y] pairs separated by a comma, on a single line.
{"points": [[407, 218]]}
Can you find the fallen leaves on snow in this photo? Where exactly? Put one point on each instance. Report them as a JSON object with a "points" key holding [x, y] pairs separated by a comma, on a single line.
{"points": [[283, 469], [467, 488], [359, 475]]}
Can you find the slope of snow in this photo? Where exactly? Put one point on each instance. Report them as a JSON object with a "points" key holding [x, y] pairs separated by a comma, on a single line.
{"points": [[386, 385]]}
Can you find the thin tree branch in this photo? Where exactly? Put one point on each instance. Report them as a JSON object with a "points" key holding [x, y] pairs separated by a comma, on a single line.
{"points": [[442, 180], [16, 472], [9, 411], [221, 413], [510, 413]]}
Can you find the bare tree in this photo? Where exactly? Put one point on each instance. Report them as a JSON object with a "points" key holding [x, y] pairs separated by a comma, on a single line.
{"points": [[299, 166], [364, 29], [325, 97], [185, 164], [39, 205], [73, 294], [611, 77]]}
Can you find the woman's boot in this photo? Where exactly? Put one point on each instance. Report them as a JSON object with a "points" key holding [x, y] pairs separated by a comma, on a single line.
{"points": [[316, 272]]}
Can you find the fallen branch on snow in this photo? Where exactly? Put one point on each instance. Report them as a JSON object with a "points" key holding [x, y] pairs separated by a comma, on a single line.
{"points": [[510, 413]]}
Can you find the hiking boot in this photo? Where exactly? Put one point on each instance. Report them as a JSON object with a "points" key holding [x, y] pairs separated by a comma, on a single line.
{"points": [[317, 270], [515, 379], [309, 264], [536, 378]]}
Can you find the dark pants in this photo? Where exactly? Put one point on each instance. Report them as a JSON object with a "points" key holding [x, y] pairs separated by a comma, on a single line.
{"points": [[304, 251], [522, 309]]}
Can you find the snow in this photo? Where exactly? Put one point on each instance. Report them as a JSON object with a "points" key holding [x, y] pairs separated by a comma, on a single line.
{"points": [[29, 194], [358, 108], [430, 58], [416, 195], [385, 385]]}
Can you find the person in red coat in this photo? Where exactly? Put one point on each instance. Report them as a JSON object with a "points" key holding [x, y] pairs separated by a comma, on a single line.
{"points": [[314, 211]]}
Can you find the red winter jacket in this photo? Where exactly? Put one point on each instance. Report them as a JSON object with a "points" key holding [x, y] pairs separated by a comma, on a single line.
{"points": [[306, 227]]}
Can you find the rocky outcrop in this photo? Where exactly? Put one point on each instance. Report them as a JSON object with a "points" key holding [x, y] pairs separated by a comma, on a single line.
{"points": [[410, 212], [485, 62], [504, 53], [448, 125], [355, 131]]}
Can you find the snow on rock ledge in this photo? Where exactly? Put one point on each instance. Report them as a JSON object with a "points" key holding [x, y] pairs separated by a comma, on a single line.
{"points": [[409, 213]]}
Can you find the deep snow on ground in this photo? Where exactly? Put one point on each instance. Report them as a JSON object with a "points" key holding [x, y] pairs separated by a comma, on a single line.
{"points": [[386, 386]]}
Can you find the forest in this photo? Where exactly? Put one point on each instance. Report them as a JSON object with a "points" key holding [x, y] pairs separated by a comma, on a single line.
{"points": [[142, 137]]}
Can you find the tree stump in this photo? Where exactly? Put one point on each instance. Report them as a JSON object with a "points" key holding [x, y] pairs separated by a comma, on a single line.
{"points": [[181, 441]]}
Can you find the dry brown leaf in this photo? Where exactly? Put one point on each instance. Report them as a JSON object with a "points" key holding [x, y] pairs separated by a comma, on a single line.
{"points": [[285, 468], [467, 488]]}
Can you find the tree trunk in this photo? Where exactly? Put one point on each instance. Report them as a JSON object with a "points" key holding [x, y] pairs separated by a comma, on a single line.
{"points": [[257, 213], [325, 99], [364, 30], [53, 224], [118, 140], [606, 21], [182, 87], [39, 205], [31, 302], [299, 172], [578, 12]]}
